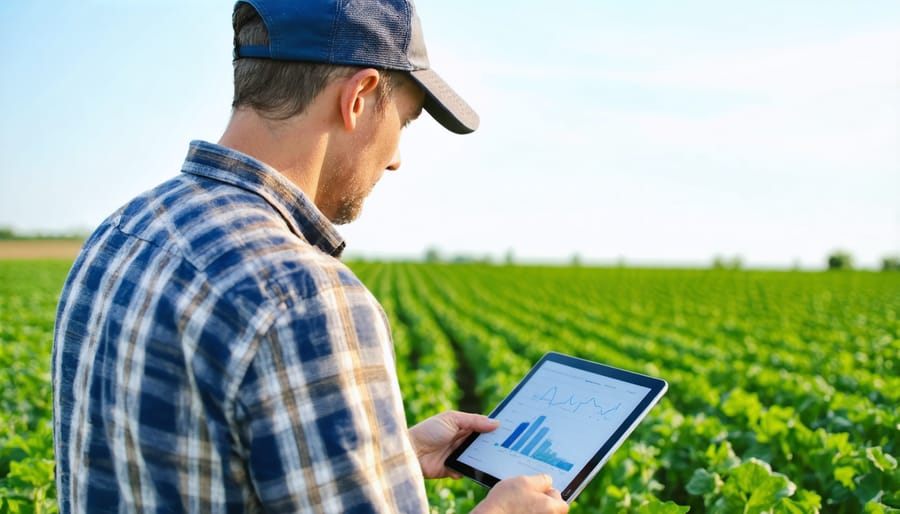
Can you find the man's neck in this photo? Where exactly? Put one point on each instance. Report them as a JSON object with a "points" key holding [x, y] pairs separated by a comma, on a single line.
{"points": [[293, 146]]}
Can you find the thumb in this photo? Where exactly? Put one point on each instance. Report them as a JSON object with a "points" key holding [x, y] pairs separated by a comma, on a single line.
{"points": [[474, 422], [486, 424]]}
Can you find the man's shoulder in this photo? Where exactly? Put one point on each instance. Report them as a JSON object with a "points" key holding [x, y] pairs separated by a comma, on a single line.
{"points": [[193, 216], [235, 239]]}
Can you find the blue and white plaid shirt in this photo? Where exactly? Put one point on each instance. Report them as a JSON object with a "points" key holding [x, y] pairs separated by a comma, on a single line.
{"points": [[212, 355]]}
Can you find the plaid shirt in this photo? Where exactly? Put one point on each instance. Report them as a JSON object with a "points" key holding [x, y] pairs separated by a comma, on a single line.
{"points": [[212, 355]]}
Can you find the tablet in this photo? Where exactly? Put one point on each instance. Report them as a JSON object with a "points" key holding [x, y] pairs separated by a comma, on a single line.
{"points": [[565, 419]]}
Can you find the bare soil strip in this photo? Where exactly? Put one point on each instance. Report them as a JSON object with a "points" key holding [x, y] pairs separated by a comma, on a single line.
{"points": [[39, 249]]}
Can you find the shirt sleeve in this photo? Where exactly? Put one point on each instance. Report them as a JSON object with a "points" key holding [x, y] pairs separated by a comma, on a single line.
{"points": [[319, 411]]}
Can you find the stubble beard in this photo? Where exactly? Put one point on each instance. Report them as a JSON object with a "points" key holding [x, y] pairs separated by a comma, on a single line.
{"points": [[350, 204], [349, 209]]}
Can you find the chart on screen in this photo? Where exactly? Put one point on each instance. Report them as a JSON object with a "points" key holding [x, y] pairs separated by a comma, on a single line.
{"points": [[554, 424]]}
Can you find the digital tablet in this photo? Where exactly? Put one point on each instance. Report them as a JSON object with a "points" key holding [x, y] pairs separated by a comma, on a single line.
{"points": [[565, 419]]}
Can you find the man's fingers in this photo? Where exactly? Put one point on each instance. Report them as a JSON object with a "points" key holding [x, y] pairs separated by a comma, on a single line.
{"points": [[542, 482]]}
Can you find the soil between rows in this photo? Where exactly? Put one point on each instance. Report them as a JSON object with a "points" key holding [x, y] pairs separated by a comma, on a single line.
{"points": [[40, 249]]}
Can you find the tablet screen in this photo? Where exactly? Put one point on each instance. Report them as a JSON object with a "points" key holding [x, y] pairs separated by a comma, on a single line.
{"points": [[564, 419]]}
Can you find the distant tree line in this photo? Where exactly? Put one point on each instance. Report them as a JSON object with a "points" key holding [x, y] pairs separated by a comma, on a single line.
{"points": [[890, 264], [734, 263], [9, 234], [837, 260], [842, 260], [433, 255]]}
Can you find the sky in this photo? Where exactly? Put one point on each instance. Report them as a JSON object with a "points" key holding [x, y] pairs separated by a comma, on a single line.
{"points": [[648, 132]]}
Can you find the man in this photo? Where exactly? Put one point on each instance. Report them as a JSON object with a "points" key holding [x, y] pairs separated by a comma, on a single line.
{"points": [[211, 353]]}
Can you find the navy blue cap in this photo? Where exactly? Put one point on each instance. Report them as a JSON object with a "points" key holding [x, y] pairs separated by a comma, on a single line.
{"points": [[383, 34]]}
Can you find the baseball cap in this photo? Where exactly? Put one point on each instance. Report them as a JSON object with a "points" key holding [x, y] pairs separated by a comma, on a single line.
{"points": [[382, 34]]}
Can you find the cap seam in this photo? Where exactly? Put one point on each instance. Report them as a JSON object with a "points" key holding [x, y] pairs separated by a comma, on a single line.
{"points": [[334, 28], [408, 35], [268, 21]]}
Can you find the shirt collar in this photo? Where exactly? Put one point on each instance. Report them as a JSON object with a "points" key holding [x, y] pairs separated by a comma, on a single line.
{"points": [[232, 167]]}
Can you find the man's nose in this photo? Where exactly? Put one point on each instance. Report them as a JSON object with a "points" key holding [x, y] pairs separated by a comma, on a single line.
{"points": [[395, 162]]}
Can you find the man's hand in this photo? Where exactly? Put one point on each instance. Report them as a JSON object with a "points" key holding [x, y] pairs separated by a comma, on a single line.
{"points": [[532, 494], [436, 437]]}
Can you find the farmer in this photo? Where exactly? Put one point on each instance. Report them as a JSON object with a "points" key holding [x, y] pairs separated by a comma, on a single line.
{"points": [[211, 353]]}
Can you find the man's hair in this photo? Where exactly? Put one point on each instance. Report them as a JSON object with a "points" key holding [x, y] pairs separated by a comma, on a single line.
{"points": [[283, 89]]}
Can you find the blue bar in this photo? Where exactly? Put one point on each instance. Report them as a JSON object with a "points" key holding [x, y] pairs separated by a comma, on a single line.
{"points": [[540, 435], [541, 453], [512, 437], [528, 433]]}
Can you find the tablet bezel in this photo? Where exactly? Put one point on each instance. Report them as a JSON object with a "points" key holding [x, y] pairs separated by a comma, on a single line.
{"points": [[657, 387]]}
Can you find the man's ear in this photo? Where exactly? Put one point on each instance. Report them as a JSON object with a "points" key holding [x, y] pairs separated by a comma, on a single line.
{"points": [[354, 95]]}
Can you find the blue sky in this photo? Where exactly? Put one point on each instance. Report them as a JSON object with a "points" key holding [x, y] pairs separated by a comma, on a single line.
{"points": [[655, 132]]}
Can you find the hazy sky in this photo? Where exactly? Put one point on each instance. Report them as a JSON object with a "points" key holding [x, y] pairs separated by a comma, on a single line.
{"points": [[652, 131]]}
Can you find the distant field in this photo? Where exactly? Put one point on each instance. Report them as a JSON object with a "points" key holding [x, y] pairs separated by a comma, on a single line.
{"points": [[784, 385], [40, 249]]}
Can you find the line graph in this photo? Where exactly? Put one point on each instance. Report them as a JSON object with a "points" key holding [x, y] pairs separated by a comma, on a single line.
{"points": [[572, 404]]}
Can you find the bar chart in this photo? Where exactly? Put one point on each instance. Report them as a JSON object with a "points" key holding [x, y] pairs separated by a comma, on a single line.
{"points": [[524, 440]]}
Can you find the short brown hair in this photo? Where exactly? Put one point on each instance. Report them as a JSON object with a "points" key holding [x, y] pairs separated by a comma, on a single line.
{"points": [[282, 89]]}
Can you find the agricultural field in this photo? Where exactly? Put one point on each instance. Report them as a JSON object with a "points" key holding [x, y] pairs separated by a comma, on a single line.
{"points": [[784, 386], [28, 294]]}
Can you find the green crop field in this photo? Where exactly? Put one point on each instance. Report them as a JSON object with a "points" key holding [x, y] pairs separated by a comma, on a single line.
{"points": [[784, 386], [28, 294]]}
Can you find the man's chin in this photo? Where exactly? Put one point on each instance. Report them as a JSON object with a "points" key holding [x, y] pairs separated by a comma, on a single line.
{"points": [[349, 212], [342, 221]]}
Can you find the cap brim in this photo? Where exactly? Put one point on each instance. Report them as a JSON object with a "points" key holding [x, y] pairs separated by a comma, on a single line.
{"points": [[444, 105]]}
